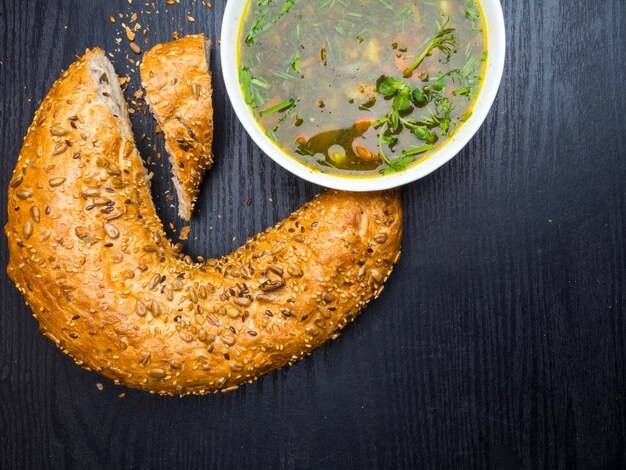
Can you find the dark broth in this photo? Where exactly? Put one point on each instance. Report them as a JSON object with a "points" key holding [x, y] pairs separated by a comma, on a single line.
{"points": [[361, 87]]}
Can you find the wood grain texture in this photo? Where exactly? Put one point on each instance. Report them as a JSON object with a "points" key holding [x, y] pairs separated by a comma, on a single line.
{"points": [[499, 341]]}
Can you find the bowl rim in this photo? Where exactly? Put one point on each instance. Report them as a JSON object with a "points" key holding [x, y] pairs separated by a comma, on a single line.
{"points": [[496, 47]]}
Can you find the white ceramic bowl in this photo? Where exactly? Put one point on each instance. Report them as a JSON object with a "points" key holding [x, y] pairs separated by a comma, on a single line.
{"points": [[494, 20]]}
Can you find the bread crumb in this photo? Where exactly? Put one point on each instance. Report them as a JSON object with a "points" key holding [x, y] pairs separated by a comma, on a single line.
{"points": [[99, 386], [184, 232], [130, 35]]}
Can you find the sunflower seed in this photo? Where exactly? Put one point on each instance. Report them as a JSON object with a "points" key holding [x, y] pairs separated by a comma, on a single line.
{"points": [[17, 181], [380, 238], [232, 312], [185, 336], [294, 271], [60, 148], [157, 373], [271, 286], [264, 298], [195, 90], [213, 320], [156, 308], [376, 275], [141, 309], [101, 201], [135, 48], [202, 335], [23, 194], [146, 359], [193, 295], [35, 214], [275, 269], [90, 192], [312, 331], [202, 292], [81, 232], [128, 148], [27, 229], [58, 181], [221, 382], [111, 231], [154, 280], [57, 131], [242, 301]]}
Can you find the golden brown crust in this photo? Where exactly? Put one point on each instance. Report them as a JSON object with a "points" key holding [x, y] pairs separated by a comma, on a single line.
{"points": [[177, 81], [90, 256]]}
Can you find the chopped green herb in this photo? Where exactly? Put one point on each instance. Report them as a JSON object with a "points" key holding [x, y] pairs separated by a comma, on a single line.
{"points": [[418, 150], [368, 105], [287, 110], [388, 86], [444, 40], [247, 90], [418, 96], [302, 150], [295, 65], [424, 134], [278, 107], [260, 25], [463, 91]]}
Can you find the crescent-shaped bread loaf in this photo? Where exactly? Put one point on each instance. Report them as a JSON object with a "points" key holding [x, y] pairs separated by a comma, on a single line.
{"points": [[90, 256], [177, 81]]}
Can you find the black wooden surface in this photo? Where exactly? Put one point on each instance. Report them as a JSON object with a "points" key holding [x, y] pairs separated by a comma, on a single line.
{"points": [[500, 341]]}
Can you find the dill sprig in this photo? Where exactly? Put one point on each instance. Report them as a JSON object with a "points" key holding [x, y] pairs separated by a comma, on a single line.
{"points": [[287, 104], [444, 40], [260, 25]]}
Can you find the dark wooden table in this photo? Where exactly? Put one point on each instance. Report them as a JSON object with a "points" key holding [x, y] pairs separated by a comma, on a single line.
{"points": [[500, 341]]}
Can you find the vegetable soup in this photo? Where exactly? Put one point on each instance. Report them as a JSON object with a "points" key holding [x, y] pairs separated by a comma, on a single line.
{"points": [[361, 88]]}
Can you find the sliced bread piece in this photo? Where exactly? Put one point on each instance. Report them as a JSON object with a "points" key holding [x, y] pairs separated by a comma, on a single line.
{"points": [[177, 81]]}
